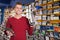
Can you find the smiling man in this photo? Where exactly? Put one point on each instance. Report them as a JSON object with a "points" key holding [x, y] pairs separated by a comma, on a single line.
{"points": [[18, 24]]}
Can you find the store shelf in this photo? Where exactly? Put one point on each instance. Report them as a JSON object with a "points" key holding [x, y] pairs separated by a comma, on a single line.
{"points": [[42, 4], [39, 20], [44, 9], [49, 3], [58, 14], [50, 9], [39, 15], [55, 7], [50, 30], [56, 0], [46, 4], [57, 26], [37, 0], [54, 21]]}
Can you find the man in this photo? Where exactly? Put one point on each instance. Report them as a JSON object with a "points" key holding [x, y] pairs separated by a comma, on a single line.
{"points": [[18, 24]]}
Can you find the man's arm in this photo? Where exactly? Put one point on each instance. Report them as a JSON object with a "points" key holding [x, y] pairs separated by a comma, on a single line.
{"points": [[8, 28], [29, 27]]}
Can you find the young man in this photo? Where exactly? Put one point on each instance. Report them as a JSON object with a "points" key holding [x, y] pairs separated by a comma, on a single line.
{"points": [[18, 24]]}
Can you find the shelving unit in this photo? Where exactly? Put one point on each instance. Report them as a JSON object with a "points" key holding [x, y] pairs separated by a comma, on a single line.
{"points": [[47, 18], [51, 2]]}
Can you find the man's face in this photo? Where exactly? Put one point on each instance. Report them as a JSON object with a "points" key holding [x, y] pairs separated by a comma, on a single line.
{"points": [[18, 9]]}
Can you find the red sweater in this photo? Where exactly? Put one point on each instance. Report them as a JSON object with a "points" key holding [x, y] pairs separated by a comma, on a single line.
{"points": [[19, 26]]}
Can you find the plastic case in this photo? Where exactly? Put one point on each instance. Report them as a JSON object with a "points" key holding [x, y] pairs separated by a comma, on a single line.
{"points": [[50, 0], [50, 28], [44, 17], [42, 27], [43, 33], [40, 12], [48, 17], [55, 24], [44, 22], [56, 4], [45, 11], [46, 37], [44, 1], [44, 7], [40, 1], [57, 11], [56, 34], [59, 24], [36, 3], [52, 16], [50, 11], [42, 38], [51, 34], [38, 18], [48, 23], [49, 6], [37, 27], [59, 34], [56, 18], [37, 13]]}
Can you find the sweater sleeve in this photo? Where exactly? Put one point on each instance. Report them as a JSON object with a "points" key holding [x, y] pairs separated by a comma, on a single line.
{"points": [[29, 28], [8, 25]]}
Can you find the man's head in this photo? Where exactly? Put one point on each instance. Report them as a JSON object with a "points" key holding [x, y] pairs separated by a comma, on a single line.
{"points": [[18, 8]]}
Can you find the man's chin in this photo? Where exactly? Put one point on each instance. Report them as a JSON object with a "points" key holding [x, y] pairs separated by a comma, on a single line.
{"points": [[18, 13]]}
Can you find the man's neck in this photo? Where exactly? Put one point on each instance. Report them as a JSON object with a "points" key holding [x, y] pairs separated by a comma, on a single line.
{"points": [[18, 16]]}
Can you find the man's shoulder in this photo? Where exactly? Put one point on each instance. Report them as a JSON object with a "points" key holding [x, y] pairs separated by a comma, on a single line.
{"points": [[10, 18], [25, 17]]}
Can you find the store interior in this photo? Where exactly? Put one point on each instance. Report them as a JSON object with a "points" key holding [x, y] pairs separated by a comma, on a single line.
{"points": [[44, 15]]}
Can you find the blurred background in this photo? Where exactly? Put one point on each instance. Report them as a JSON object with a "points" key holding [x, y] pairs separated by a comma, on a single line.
{"points": [[44, 15]]}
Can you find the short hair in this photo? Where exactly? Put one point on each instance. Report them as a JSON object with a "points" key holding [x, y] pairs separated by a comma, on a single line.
{"points": [[17, 3]]}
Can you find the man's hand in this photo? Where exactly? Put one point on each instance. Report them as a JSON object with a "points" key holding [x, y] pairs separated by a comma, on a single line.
{"points": [[9, 33]]}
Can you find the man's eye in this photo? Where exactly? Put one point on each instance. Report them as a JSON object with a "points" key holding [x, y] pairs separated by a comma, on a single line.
{"points": [[20, 8]]}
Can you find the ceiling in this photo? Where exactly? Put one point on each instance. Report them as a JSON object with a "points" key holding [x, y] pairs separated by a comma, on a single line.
{"points": [[5, 1], [12, 2]]}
